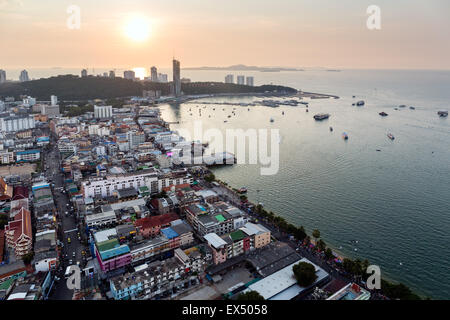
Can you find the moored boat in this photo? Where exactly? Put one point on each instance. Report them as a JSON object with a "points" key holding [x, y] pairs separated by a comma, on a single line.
{"points": [[321, 116]]}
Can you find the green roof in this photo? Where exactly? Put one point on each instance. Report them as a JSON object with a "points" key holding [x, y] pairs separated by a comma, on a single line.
{"points": [[220, 218], [6, 284], [237, 235], [107, 245]]}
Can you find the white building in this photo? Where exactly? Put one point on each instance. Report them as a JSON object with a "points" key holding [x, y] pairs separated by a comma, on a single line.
{"points": [[102, 112], [29, 101], [229, 78], [16, 123], [162, 77], [250, 81], [54, 100], [51, 111], [101, 219], [241, 80]]}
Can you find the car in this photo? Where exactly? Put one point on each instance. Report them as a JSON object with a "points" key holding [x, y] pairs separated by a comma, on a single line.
{"points": [[70, 262], [68, 240], [74, 254]]}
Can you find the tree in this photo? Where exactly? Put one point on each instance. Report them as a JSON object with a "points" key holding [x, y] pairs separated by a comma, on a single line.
{"points": [[328, 254], [321, 245], [27, 258], [316, 234], [305, 273], [250, 296], [210, 177]]}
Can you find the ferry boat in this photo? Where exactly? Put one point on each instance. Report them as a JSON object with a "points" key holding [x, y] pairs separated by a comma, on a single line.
{"points": [[321, 116], [390, 136], [443, 114], [360, 103], [383, 114]]}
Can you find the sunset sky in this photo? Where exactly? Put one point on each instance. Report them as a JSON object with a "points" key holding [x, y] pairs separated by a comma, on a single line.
{"points": [[292, 33]]}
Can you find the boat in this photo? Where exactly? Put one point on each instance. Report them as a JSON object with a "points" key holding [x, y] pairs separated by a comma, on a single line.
{"points": [[225, 121], [443, 114], [360, 103], [271, 120], [402, 106], [307, 110], [383, 114], [412, 108], [391, 136], [331, 128], [345, 136], [242, 190], [321, 116], [282, 113]]}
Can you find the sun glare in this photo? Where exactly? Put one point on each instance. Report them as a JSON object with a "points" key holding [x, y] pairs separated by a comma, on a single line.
{"points": [[137, 28]]}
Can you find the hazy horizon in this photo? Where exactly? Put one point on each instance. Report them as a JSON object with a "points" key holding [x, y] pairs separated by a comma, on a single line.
{"points": [[285, 33]]}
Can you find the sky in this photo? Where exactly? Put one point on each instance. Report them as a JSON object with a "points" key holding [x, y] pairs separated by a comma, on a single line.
{"points": [[414, 34]]}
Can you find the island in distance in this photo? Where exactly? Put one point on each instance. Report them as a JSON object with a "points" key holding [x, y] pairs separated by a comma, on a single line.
{"points": [[241, 67]]}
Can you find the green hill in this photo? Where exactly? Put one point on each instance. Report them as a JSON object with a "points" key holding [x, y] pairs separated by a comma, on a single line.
{"points": [[70, 87]]}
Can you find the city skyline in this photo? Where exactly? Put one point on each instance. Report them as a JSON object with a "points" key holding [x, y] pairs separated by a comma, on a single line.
{"points": [[286, 34]]}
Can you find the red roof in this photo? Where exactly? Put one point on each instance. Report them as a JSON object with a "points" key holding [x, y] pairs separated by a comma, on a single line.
{"points": [[179, 186], [20, 192], [155, 221], [21, 225]]}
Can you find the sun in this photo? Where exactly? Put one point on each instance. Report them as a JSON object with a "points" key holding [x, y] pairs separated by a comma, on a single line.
{"points": [[137, 28]]}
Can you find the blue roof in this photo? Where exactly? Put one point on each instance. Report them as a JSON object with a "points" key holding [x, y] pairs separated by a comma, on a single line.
{"points": [[28, 151], [111, 253], [169, 233]]}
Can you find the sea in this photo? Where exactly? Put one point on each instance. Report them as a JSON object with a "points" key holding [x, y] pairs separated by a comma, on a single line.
{"points": [[370, 197]]}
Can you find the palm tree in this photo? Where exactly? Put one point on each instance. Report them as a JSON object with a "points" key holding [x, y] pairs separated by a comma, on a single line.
{"points": [[316, 234]]}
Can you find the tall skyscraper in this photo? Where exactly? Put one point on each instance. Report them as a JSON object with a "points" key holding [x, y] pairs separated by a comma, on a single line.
{"points": [[112, 74], [176, 78], [229, 78], [24, 76], [129, 74], [250, 81], [84, 73], [241, 80], [154, 74], [2, 76]]}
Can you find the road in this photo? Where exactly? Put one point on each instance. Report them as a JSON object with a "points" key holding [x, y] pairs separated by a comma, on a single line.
{"points": [[67, 223]]}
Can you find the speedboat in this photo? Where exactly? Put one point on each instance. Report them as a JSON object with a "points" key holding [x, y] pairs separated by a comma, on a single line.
{"points": [[390, 136], [443, 114], [331, 128], [321, 116], [360, 103], [345, 136], [383, 114], [271, 120]]}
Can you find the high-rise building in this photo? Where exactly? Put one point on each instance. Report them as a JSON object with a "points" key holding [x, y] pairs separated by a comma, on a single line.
{"points": [[24, 76], [229, 78], [176, 78], [102, 112], [241, 80], [84, 73], [2, 76], [250, 81], [112, 74], [129, 74], [162, 77], [54, 100], [154, 74]]}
